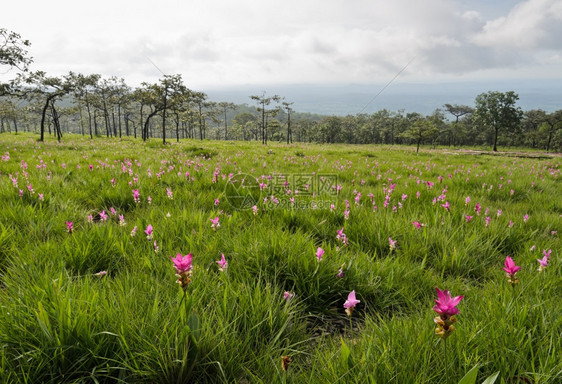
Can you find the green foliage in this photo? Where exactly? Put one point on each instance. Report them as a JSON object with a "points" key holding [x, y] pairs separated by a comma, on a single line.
{"points": [[62, 321], [497, 111]]}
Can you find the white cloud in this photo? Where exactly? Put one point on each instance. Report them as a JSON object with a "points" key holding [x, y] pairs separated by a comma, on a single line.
{"points": [[529, 25], [254, 42]]}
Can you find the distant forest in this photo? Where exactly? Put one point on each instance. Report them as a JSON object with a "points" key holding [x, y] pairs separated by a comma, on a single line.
{"points": [[93, 105]]}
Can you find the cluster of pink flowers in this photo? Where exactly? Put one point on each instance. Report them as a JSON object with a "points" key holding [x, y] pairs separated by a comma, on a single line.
{"points": [[149, 232], [223, 264], [319, 254], [510, 270], [350, 303], [417, 224], [341, 237], [184, 267], [543, 263], [392, 244], [446, 308], [215, 223]]}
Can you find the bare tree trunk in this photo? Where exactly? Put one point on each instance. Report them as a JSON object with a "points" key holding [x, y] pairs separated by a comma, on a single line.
{"points": [[43, 116], [81, 121], [56, 121]]}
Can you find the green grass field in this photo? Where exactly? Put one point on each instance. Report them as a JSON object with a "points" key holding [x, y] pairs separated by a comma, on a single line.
{"points": [[63, 319]]}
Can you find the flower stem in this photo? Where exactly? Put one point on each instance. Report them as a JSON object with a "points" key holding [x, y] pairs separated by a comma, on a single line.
{"points": [[446, 362]]}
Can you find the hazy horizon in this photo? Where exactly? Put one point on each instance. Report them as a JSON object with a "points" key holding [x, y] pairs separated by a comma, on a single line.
{"points": [[330, 55]]}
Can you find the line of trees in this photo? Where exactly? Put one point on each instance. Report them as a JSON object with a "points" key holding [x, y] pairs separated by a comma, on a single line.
{"points": [[97, 106]]}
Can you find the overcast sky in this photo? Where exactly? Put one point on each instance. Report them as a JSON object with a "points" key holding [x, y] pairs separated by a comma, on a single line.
{"points": [[234, 42]]}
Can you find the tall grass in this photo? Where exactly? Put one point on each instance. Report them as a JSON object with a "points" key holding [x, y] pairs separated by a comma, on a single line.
{"points": [[63, 319]]}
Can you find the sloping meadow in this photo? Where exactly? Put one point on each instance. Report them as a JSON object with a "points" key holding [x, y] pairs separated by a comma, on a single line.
{"points": [[279, 237]]}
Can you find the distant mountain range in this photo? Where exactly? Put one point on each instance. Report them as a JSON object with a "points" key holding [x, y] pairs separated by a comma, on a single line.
{"points": [[412, 97]]}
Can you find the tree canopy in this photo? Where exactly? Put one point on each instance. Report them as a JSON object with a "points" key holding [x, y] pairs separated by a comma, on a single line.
{"points": [[497, 111]]}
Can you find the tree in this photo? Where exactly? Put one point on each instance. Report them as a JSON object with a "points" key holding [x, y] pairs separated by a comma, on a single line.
{"points": [[421, 129], [199, 98], [13, 54], [40, 86], [458, 111], [263, 102], [288, 109], [83, 92], [246, 123], [554, 122], [532, 121], [497, 111], [225, 106], [167, 93]]}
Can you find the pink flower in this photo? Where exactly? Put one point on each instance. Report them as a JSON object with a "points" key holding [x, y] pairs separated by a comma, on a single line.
{"points": [[255, 210], [341, 237], [148, 232], [122, 222], [446, 307], [223, 264], [467, 200], [100, 273], [417, 224], [69, 226], [488, 219], [90, 219], [445, 304], [510, 267], [339, 275], [183, 264], [319, 254], [156, 249], [217, 202], [350, 303], [510, 270], [447, 206], [134, 231], [103, 215], [543, 263], [392, 244], [215, 223], [136, 196], [287, 295], [169, 193], [546, 253], [468, 218], [525, 218]]}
